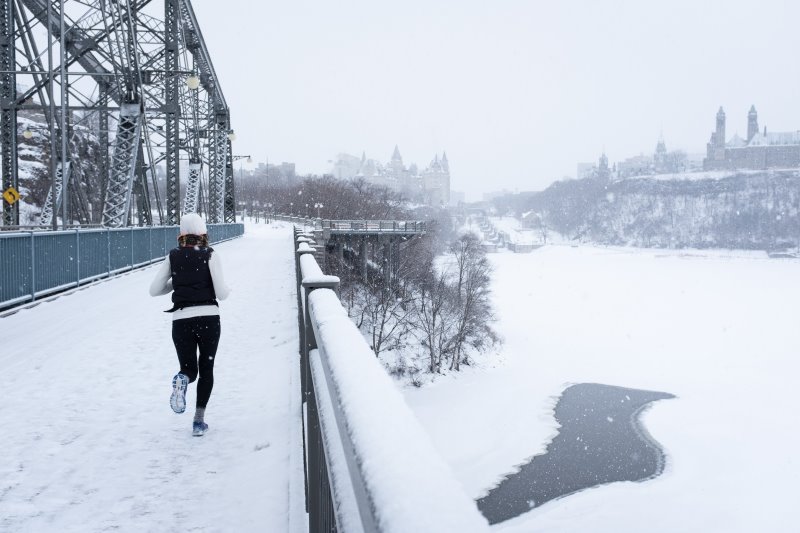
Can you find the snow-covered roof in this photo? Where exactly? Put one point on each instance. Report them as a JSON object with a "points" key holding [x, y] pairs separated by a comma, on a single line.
{"points": [[736, 142], [776, 138]]}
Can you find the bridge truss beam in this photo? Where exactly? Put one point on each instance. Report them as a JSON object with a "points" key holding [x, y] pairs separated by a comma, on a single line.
{"points": [[113, 74]]}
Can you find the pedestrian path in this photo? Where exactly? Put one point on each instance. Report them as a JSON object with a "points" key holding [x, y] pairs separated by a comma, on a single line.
{"points": [[88, 440]]}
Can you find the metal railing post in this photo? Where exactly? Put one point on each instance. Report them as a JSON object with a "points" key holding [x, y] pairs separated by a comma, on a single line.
{"points": [[33, 267], [77, 257], [108, 248]]}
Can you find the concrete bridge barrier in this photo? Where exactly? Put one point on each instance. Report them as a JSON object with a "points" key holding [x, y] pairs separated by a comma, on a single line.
{"points": [[370, 465]]}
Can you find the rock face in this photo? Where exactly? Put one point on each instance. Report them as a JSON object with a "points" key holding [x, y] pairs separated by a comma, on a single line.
{"points": [[34, 169], [747, 210]]}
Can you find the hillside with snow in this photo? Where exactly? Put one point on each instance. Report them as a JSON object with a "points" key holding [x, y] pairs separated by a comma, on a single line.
{"points": [[744, 210]]}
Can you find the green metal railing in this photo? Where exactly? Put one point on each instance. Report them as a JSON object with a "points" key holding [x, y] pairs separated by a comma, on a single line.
{"points": [[37, 263]]}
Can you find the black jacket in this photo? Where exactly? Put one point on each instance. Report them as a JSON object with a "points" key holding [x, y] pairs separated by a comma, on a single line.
{"points": [[191, 277]]}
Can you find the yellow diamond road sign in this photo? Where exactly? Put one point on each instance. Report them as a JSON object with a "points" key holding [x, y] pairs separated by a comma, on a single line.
{"points": [[11, 195]]}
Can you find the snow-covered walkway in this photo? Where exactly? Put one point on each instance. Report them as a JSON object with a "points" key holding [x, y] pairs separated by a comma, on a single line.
{"points": [[88, 441]]}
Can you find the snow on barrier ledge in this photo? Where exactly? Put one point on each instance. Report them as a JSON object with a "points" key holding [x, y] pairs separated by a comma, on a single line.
{"points": [[408, 484]]}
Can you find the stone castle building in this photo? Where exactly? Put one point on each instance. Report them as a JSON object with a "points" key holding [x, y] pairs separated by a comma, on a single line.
{"points": [[759, 151], [431, 186], [661, 161]]}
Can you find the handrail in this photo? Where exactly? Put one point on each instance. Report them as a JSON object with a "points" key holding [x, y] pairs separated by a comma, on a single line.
{"points": [[34, 264], [370, 465]]}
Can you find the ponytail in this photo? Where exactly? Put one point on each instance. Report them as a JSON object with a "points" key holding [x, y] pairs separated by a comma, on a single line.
{"points": [[193, 240]]}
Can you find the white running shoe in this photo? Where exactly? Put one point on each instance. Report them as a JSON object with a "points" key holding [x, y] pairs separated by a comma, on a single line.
{"points": [[178, 399]]}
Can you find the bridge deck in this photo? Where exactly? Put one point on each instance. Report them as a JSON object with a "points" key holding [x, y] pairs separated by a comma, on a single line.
{"points": [[358, 227], [89, 441]]}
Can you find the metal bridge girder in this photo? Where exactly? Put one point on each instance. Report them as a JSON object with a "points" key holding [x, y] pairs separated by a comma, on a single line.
{"points": [[116, 53], [219, 155], [230, 196], [171, 64], [55, 195], [8, 120], [192, 197], [123, 167]]}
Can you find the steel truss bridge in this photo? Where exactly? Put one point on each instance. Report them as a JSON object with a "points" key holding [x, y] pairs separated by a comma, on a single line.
{"points": [[136, 77]]}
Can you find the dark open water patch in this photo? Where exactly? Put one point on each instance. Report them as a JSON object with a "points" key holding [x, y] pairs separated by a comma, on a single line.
{"points": [[601, 440]]}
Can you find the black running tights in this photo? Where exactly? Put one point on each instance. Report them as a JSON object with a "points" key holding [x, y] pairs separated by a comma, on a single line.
{"points": [[189, 334]]}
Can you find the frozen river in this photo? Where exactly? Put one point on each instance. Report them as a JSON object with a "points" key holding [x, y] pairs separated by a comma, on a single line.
{"points": [[716, 329]]}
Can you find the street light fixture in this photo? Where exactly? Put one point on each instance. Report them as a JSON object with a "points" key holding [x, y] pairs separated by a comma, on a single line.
{"points": [[231, 136], [27, 134], [319, 206], [193, 82]]}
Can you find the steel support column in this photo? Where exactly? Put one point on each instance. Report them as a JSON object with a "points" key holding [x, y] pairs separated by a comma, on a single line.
{"points": [[230, 197], [103, 139], [142, 192], [192, 198], [213, 191], [8, 120], [218, 148], [172, 108], [123, 169], [362, 257]]}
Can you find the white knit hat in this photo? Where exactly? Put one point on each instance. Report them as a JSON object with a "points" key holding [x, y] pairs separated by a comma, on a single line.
{"points": [[192, 224]]}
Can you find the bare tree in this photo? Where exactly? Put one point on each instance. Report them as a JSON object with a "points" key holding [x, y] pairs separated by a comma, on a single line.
{"points": [[472, 309], [433, 318], [387, 317], [382, 307]]}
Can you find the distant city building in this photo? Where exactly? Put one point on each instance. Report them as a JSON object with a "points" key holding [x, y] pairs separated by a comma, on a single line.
{"points": [[760, 150], [282, 173], [346, 166], [457, 197], [436, 181], [585, 170], [661, 162], [601, 170], [489, 196], [431, 186], [637, 165]]}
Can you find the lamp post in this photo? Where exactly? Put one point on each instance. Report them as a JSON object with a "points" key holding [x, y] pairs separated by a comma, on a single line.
{"points": [[269, 212], [319, 206], [291, 208], [241, 170]]}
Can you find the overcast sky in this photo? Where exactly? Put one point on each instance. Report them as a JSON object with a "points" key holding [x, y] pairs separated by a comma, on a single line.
{"points": [[516, 92]]}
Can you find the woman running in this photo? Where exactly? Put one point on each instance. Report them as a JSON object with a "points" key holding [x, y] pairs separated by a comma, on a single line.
{"points": [[193, 273]]}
